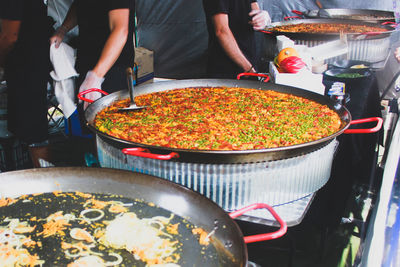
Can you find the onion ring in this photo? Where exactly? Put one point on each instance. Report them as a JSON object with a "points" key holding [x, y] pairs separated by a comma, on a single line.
{"points": [[116, 262], [83, 213]]}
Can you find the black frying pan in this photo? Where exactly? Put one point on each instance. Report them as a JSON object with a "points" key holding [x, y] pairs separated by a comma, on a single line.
{"points": [[217, 156], [366, 15], [191, 155], [46, 204], [329, 36], [228, 244]]}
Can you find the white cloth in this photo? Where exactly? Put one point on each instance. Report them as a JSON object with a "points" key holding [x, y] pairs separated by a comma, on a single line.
{"points": [[63, 60]]}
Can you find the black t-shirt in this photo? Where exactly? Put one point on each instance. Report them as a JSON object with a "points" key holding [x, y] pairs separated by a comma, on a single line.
{"points": [[35, 30], [238, 14], [12, 10], [94, 30]]}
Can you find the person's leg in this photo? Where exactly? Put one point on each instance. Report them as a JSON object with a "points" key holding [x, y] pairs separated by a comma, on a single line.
{"points": [[41, 154], [27, 109]]}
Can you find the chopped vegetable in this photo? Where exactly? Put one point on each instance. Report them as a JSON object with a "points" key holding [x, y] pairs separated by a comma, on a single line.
{"points": [[56, 224], [6, 201], [349, 75]]}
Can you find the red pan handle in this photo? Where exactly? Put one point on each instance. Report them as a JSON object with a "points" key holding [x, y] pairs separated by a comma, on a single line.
{"points": [[261, 237], [145, 153], [240, 75], [370, 130], [370, 34], [298, 12], [389, 23], [292, 17], [81, 94], [268, 32]]}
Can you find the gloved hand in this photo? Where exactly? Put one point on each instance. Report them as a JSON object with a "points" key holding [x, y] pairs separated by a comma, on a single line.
{"points": [[260, 19], [58, 36], [91, 81]]}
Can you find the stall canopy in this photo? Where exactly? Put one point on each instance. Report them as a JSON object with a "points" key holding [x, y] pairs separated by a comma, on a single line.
{"points": [[175, 30]]}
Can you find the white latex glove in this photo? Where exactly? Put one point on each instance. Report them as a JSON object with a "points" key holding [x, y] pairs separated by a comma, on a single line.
{"points": [[260, 19], [91, 81]]}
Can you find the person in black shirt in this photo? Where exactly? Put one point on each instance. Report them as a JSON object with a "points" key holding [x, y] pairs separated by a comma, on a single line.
{"points": [[231, 44], [105, 45], [24, 54]]}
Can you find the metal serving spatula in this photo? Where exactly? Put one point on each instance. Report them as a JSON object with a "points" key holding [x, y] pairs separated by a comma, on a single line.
{"points": [[132, 79], [322, 13]]}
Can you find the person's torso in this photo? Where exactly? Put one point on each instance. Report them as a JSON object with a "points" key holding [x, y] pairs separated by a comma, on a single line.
{"points": [[239, 19], [36, 24], [94, 30], [36, 28]]}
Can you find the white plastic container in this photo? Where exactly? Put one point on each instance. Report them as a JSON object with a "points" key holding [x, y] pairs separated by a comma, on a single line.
{"points": [[304, 79]]}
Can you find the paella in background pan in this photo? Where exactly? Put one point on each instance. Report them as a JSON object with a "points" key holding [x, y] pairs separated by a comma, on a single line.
{"points": [[327, 28]]}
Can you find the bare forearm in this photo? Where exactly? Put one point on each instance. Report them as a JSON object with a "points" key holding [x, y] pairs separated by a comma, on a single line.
{"points": [[228, 42], [111, 51], [8, 37], [68, 24], [119, 28], [231, 48], [70, 20]]}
